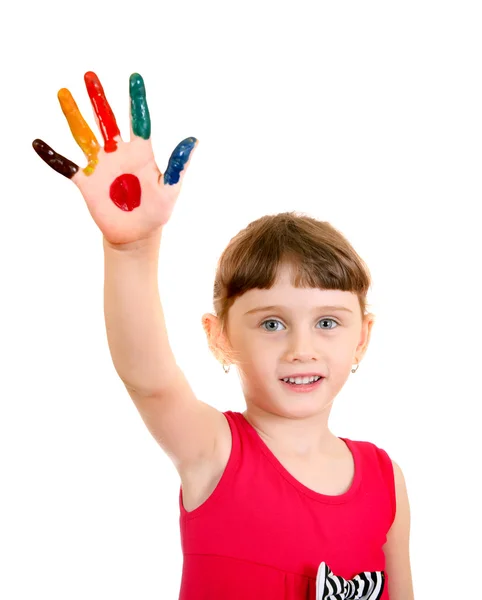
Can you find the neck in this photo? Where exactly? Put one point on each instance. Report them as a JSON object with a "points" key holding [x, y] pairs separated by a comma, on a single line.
{"points": [[303, 437]]}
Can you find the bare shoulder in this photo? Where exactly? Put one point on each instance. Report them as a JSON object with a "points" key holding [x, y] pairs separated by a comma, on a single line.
{"points": [[397, 546], [191, 432], [199, 479]]}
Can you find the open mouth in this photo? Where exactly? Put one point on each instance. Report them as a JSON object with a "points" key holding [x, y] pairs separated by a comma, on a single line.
{"points": [[302, 384], [302, 380]]}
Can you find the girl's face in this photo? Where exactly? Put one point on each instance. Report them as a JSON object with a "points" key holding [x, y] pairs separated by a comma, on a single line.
{"points": [[288, 332]]}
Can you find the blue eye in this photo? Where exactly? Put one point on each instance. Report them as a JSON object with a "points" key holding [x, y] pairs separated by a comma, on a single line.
{"points": [[326, 319], [270, 321], [276, 321]]}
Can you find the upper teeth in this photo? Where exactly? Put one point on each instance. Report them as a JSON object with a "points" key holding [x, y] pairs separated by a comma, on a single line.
{"points": [[302, 379]]}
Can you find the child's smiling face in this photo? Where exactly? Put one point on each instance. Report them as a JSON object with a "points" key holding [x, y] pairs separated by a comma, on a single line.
{"points": [[297, 337]]}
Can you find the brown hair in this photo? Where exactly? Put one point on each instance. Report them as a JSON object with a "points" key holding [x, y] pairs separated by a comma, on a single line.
{"points": [[319, 255]]}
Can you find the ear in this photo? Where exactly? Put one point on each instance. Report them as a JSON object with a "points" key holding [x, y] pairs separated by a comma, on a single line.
{"points": [[365, 335], [216, 339]]}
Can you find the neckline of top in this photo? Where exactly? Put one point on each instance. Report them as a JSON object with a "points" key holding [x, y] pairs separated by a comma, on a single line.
{"points": [[325, 498]]}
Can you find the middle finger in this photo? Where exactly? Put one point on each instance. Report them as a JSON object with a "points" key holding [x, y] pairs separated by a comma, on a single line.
{"points": [[103, 112]]}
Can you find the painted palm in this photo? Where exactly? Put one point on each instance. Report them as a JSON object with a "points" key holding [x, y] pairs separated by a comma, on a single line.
{"points": [[126, 193]]}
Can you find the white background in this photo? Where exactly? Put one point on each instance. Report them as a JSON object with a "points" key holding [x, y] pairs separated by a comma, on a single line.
{"points": [[365, 114]]}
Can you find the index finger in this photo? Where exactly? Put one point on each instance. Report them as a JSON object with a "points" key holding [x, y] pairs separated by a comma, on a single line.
{"points": [[140, 119]]}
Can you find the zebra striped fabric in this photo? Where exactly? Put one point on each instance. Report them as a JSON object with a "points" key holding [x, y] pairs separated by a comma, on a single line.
{"points": [[364, 586]]}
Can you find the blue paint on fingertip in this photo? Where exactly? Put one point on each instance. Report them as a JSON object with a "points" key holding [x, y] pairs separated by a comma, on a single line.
{"points": [[178, 160]]}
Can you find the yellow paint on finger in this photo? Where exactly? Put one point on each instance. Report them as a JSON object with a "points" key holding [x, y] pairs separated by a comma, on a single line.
{"points": [[82, 133]]}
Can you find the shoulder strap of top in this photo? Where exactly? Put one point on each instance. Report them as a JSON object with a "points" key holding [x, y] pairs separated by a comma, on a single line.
{"points": [[381, 463], [386, 466]]}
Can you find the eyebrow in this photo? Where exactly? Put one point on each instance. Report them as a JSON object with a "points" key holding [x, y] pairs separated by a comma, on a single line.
{"points": [[277, 308]]}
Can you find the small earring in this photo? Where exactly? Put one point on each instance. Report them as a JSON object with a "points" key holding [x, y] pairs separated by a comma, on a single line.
{"points": [[226, 370], [355, 370]]}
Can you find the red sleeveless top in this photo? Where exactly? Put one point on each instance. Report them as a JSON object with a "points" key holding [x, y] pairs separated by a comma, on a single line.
{"points": [[262, 534]]}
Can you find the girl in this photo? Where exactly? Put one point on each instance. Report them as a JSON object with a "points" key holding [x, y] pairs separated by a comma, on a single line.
{"points": [[273, 505]]}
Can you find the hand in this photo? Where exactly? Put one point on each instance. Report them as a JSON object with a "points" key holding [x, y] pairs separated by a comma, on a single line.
{"points": [[126, 194]]}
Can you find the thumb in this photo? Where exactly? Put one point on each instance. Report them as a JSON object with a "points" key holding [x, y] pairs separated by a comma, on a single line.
{"points": [[179, 161]]}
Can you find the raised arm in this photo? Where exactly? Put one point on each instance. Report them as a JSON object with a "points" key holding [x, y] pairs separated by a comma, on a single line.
{"points": [[131, 201], [186, 428]]}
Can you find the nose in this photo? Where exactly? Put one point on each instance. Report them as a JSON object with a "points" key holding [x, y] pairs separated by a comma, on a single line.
{"points": [[301, 347]]}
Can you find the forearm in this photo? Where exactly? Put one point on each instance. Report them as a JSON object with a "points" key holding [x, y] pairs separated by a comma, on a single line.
{"points": [[135, 325]]}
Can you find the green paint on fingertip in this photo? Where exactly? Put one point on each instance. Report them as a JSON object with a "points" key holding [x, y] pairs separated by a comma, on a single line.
{"points": [[141, 122]]}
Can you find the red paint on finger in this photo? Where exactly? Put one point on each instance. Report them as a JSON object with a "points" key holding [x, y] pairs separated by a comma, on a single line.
{"points": [[105, 116], [125, 192]]}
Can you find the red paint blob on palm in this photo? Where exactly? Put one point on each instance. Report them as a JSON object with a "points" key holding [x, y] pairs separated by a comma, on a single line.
{"points": [[125, 192]]}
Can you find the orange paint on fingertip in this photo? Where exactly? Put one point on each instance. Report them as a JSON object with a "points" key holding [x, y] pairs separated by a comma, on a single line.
{"points": [[82, 133]]}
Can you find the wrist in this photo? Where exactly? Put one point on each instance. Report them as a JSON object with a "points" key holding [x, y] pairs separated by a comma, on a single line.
{"points": [[145, 245]]}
